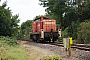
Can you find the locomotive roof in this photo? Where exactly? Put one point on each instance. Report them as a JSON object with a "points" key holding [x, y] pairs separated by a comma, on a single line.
{"points": [[41, 17]]}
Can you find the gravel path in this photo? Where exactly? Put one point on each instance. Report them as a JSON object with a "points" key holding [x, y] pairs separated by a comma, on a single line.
{"points": [[36, 53], [60, 51]]}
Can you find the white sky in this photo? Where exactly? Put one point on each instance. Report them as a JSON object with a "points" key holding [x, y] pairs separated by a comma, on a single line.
{"points": [[27, 9]]}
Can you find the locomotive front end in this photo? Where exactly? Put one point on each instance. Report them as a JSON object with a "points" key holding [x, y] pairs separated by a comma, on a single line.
{"points": [[49, 27]]}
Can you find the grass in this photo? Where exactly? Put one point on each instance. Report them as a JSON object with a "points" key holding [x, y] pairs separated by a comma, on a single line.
{"points": [[18, 53], [13, 53], [52, 58], [9, 50]]}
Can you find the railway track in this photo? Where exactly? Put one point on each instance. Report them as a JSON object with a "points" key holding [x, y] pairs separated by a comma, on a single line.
{"points": [[85, 47]]}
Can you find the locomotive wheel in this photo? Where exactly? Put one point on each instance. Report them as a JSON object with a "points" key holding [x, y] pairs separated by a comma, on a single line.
{"points": [[53, 41], [34, 38]]}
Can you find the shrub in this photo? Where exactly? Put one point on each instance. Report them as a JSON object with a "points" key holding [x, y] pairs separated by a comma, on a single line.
{"points": [[7, 41], [13, 53], [52, 58], [84, 32], [9, 50]]}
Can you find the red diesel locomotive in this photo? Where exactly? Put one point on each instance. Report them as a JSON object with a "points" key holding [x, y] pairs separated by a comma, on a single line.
{"points": [[44, 29]]}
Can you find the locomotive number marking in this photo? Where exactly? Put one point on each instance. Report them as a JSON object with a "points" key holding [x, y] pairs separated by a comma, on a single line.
{"points": [[49, 22]]}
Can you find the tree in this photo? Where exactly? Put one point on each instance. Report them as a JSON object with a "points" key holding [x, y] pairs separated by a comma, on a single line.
{"points": [[46, 15], [8, 23], [26, 28], [14, 24], [84, 32], [61, 10], [54, 8], [37, 16], [86, 10]]}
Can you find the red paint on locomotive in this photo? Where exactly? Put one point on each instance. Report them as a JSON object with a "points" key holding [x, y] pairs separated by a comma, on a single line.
{"points": [[44, 29], [45, 24], [34, 26]]}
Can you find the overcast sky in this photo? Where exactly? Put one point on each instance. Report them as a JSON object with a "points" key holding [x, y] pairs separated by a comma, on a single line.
{"points": [[27, 9]]}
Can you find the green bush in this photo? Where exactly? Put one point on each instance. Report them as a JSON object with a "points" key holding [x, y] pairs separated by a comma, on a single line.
{"points": [[84, 32], [65, 33], [9, 50], [7, 41], [52, 58]]}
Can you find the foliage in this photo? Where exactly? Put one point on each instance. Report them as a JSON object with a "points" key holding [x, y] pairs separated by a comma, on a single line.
{"points": [[7, 41], [9, 50], [62, 10], [52, 58], [65, 33], [83, 10], [84, 32], [38, 16], [25, 29], [71, 31], [14, 25], [54, 9], [74, 29], [13, 53], [67, 11], [3, 52], [8, 22]]}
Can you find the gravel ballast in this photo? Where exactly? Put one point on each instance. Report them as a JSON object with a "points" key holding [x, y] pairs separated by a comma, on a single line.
{"points": [[48, 49]]}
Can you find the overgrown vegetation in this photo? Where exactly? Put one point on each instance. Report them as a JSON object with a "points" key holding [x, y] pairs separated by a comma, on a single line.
{"points": [[10, 50], [52, 58], [13, 53], [84, 32], [7, 41], [25, 29], [8, 22]]}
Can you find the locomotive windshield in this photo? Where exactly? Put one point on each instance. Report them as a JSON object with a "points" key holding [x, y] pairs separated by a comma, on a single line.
{"points": [[38, 20]]}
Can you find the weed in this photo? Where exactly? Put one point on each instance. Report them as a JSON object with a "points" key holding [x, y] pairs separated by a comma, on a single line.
{"points": [[52, 58], [9, 50], [8, 41]]}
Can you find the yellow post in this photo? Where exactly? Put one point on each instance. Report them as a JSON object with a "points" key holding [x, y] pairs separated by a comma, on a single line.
{"points": [[70, 43]]}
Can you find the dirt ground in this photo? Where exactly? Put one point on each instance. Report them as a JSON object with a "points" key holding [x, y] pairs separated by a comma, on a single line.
{"points": [[37, 53]]}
